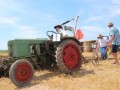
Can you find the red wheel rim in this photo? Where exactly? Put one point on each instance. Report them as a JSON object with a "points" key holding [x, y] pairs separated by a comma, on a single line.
{"points": [[71, 56], [23, 72]]}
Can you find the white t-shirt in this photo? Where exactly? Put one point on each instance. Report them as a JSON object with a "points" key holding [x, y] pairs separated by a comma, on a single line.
{"points": [[102, 42], [63, 32]]}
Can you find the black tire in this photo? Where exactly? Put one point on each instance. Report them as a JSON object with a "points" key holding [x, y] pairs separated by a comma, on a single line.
{"points": [[21, 72], [68, 62]]}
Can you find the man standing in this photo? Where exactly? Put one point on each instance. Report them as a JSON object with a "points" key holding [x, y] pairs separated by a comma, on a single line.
{"points": [[102, 45], [114, 41]]}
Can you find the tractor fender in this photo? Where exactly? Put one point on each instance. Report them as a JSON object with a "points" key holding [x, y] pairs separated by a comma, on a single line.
{"points": [[70, 38]]}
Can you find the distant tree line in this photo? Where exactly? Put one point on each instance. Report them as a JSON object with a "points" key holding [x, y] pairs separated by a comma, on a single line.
{"points": [[3, 51]]}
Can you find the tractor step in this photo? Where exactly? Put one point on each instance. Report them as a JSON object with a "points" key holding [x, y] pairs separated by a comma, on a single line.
{"points": [[36, 64]]}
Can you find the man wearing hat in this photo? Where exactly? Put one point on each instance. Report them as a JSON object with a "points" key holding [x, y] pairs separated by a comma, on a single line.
{"points": [[102, 44], [60, 30], [114, 41]]}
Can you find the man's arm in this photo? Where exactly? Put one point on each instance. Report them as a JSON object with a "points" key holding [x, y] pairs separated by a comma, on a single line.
{"points": [[69, 28], [111, 38], [97, 44]]}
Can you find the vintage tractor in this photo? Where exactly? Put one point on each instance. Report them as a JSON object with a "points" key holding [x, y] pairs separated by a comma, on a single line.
{"points": [[25, 55]]}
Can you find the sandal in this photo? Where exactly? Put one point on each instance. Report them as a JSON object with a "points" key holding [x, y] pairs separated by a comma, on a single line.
{"points": [[114, 63]]}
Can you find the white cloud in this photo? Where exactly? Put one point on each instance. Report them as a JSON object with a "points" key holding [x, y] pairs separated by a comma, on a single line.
{"points": [[91, 32], [12, 5], [23, 31], [92, 28], [116, 1], [26, 32], [25, 8], [114, 9], [44, 16], [91, 0], [12, 21], [94, 18], [20, 30], [114, 12], [79, 1]]}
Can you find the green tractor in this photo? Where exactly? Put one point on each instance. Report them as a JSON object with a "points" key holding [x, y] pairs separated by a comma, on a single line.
{"points": [[25, 55]]}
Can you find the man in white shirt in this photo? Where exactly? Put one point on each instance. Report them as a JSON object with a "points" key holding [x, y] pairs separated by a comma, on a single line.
{"points": [[60, 30], [102, 44]]}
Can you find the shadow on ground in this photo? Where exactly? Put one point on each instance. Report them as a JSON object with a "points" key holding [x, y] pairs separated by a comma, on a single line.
{"points": [[47, 76]]}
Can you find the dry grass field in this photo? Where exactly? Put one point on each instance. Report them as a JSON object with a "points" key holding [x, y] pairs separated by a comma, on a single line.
{"points": [[3, 54], [105, 76]]}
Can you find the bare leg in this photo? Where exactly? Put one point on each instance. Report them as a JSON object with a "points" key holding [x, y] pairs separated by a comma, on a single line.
{"points": [[115, 58]]}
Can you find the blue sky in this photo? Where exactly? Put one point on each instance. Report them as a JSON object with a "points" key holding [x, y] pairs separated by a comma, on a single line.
{"points": [[32, 18]]}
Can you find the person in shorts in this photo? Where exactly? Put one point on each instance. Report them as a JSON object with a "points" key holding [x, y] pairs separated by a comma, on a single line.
{"points": [[114, 41]]}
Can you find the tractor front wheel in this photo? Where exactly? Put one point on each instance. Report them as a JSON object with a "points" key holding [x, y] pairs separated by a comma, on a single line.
{"points": [[21, 72]]}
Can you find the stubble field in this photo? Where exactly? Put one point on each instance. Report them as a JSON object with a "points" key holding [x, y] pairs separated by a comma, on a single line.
{"points": [[105, 76]]}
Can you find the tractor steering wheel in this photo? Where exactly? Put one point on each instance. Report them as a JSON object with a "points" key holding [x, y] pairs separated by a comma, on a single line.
{"points": [[50, 34]]}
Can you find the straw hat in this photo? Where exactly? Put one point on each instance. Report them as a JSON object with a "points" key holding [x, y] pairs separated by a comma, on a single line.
{"points": [[100, 35], [57, 26], [110, 24]]}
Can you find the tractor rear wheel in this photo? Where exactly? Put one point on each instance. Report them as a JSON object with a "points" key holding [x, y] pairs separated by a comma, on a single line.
{"points": [[68, 56], [21, 72]]}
